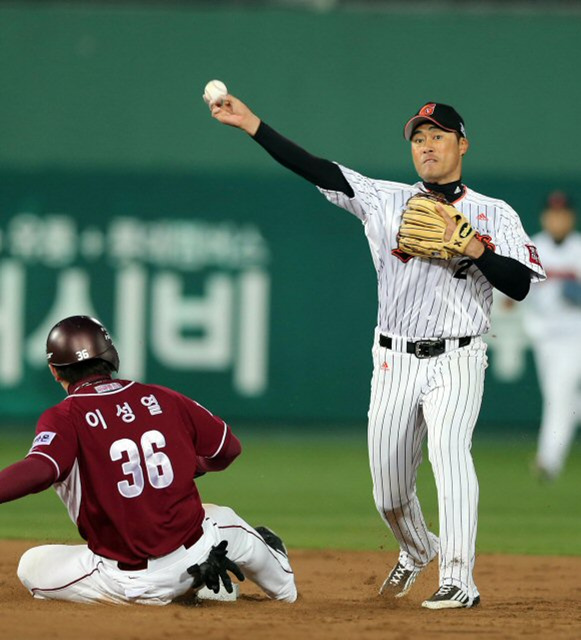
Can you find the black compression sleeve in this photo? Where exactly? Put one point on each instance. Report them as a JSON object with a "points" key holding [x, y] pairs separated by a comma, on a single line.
{"points": [[322, 173], [505, 274]]}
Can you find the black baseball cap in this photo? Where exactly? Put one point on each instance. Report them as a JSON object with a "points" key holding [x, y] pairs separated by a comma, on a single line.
{"points": [[442, 115]]}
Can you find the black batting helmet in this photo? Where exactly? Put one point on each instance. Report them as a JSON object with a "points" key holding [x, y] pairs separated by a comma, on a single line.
{"points": [[80, 338]]}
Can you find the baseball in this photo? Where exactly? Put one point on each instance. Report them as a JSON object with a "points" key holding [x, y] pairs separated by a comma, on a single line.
{"points": [[214, 92]]}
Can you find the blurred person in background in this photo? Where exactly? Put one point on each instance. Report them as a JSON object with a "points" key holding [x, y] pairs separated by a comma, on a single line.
{"points": [[552, 320]]}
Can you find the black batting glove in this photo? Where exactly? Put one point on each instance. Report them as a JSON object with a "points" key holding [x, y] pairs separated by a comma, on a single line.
{"points": [[215, 567]]}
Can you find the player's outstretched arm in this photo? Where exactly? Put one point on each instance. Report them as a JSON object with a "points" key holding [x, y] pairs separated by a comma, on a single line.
{"points": [[319, 171], [31, 475], [235, 113]]}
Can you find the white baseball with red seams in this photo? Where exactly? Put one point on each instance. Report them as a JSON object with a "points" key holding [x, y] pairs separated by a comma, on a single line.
{"points": [[427, 299], [214, 92]]}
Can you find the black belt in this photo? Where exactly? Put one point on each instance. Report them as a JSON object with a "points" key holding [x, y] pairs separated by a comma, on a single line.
{"points": [[424, 348], [140, 565]]}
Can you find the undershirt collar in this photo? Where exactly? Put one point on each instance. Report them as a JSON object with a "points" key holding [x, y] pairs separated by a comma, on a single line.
{"points": [[451, 191]]}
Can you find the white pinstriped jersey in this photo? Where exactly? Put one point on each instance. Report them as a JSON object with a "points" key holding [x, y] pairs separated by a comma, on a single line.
{"points": [[421, 298]]}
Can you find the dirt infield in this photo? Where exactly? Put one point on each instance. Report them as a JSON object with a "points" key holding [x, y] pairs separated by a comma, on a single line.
{"points": [[522, 597]]}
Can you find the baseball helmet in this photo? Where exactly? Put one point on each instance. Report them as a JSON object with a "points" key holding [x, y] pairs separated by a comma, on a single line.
{"points": [[80, 338]]}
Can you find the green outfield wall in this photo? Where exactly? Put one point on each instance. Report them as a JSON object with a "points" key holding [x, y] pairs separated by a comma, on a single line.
{"points": [[219, 273]]}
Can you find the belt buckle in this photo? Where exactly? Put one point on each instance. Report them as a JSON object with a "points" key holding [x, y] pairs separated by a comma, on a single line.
{"points": [[428, 348]]}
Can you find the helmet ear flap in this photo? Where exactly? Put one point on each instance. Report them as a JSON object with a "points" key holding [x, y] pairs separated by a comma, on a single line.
{"points": [[80, 338]]}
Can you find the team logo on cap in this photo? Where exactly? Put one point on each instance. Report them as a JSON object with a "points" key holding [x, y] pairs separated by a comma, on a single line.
{"points": [[427, 109]]}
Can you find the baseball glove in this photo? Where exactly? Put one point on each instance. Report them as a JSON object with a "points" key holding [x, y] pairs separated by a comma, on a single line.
{"points": [[215, 569], [423, 229]]}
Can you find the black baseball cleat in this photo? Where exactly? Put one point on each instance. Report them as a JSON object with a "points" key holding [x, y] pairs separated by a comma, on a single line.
{"points": [[272, 540], [450, 597], [399, 581]]}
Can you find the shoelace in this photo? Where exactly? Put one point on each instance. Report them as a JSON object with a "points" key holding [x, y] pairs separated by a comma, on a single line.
{"points": [[445, 590], [398, 574]]}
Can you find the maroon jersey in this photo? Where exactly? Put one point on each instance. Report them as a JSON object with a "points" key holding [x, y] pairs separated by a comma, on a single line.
{"points": [[124, 455]]}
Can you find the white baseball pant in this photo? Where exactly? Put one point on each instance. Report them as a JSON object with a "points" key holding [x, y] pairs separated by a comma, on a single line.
{"points": [[76, 574], [558, 361], [440, 396]]}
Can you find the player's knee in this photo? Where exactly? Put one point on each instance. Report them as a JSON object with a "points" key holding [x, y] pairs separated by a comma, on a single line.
{"points": [[447, 448], [385, 504], [281, 587], [27, 567], [290, 594], [221, 515]]}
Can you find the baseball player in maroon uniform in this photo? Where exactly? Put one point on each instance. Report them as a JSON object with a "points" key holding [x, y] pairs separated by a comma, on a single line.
{"points": [[122, 456]]}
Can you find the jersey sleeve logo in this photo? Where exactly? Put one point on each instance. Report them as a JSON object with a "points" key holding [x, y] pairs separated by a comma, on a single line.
{"points": [[43, 438], [533, 254]]}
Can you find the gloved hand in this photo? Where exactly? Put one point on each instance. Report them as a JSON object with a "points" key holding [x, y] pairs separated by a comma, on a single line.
{"points": [[216, 567], [423, 229]]}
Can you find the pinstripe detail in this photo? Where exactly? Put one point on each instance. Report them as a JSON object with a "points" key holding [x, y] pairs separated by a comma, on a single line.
{"points": [[451, 411], [396, 432], [438, 397], [422, 298]]}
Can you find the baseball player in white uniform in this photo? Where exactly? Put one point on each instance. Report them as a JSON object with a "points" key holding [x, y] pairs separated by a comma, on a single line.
{"points": [[552, 320], [428, 356]]}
